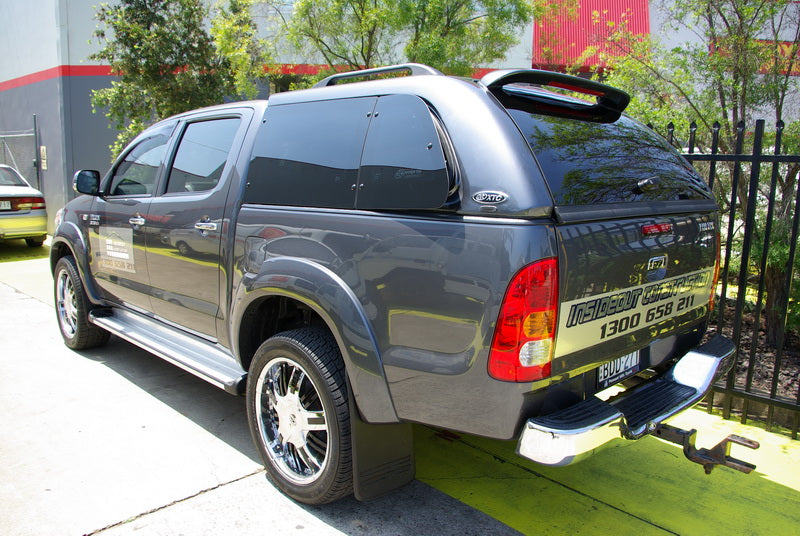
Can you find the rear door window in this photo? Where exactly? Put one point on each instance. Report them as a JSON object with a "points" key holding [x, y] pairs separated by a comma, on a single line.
{"points": [[403, 165], [201, 155], [588, 163], [308, 154]]}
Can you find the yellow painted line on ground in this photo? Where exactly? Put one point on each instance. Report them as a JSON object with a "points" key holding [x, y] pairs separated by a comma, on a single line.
{"points": [[777, 459], [642, 487]]}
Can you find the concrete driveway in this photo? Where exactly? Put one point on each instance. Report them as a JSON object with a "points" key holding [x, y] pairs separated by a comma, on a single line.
{"points": [[115, 441]]}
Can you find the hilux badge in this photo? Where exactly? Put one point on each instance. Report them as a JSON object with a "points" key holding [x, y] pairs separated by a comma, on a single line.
{"points": [[490, 198]]}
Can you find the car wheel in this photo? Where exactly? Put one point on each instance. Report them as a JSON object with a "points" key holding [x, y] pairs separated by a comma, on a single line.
{"points": [[72, 308], [183, 249], [35, 242], [299, 417]]}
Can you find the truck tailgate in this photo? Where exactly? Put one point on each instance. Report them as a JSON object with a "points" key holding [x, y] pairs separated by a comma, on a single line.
{"points": [[626, 284]]}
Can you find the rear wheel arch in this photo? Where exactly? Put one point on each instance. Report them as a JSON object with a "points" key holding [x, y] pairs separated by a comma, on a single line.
{"points": [[321, 300], [268, 316]]}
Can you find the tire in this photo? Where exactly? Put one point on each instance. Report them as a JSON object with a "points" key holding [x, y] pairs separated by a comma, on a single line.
{"points": [[72, 308], [35, 242], [299, 417], [184, 249]]}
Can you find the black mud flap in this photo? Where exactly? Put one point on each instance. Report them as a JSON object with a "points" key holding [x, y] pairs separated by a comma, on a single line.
{"points": [[708, 458], [383, 456]]}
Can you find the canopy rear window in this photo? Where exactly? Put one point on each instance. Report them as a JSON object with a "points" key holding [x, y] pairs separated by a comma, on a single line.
{"points": [[587, 163]]}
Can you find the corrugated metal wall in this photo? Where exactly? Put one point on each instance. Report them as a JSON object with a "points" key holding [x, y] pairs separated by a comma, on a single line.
{"points": [[561, 38]]}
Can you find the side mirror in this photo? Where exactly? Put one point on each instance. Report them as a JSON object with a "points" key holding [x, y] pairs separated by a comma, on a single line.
{"points": [[86, 181]]}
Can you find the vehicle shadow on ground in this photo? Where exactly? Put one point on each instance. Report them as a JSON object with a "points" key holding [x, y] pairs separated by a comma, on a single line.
{"points": [[221, 414], [18, 250], [224, 416]]}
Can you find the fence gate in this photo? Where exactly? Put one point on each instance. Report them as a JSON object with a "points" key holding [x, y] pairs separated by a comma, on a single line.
{"points": [[18, 150]]}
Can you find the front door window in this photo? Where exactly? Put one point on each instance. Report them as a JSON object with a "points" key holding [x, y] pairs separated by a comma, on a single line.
{"points": [[117, 226]]}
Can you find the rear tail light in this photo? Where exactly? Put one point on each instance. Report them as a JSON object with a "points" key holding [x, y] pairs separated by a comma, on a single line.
{"points": [[522, 346], [25, 203], [715, 279]]}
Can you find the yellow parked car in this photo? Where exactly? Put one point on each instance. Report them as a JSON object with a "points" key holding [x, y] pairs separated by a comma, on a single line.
{"points": [[22, 209]]}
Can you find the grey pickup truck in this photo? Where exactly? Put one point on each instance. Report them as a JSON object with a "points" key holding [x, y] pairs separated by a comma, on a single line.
{"points": [[509, 257]]}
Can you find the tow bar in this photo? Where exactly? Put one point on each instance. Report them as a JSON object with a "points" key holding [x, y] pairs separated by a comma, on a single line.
{"points": [[708, 458]]}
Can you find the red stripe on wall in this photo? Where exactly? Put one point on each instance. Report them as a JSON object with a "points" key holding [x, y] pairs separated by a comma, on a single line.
{"points": [[56, 72], [105, 70], [299, 68], [311, 69]]}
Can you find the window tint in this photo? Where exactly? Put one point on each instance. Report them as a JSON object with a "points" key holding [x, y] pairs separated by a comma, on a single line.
{"points": [[308, 154], [587, 163], [136, 174], [403, 165], [201, 155]]}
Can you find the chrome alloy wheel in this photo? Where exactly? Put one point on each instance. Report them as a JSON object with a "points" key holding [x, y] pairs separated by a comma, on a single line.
{"points": [[66, 304], [291, 421]]}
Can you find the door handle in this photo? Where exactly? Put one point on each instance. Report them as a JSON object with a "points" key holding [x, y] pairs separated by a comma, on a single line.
{"points": [[136, 221], [206, 226]]}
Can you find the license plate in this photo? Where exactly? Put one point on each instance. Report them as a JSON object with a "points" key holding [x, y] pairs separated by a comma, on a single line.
{"points": [[5, 205], [618, 369]]}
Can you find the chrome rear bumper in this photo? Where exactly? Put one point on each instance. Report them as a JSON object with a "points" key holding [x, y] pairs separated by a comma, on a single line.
{"points": [[567, 436]]}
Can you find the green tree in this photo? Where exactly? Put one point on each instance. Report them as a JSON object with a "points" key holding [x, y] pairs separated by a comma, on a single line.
{"points": [[235, 39], [354, 33], [741, 65], [454, 36], [166, 61]]}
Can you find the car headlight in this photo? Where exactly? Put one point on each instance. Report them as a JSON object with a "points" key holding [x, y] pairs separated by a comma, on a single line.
{"points": [[59, 217]]}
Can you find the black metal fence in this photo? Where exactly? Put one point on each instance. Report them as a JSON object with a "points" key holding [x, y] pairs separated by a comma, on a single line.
{"points": [[757, 187]]}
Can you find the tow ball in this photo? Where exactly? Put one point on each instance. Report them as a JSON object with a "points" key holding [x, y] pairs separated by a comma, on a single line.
{"points": [[708, 458]]}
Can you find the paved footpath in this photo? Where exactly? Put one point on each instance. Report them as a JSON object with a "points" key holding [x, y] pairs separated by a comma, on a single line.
{"points": [[114, 441]]}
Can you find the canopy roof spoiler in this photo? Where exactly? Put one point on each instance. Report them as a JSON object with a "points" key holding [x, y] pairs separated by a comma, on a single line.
{"points": [[415, 69], [512, 87]]}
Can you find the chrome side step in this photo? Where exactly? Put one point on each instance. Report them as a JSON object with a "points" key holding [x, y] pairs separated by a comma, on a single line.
{"points": [[201, 358]]}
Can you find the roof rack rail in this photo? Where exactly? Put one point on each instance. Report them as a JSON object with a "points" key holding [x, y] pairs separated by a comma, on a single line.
{"points": [[416, 69], [610, 102]]}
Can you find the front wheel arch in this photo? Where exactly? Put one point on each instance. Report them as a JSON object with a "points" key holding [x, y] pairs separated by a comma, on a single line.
{"points": [[72, 307]]}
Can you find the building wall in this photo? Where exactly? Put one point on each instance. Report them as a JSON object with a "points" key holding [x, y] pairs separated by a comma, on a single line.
{"points": [[43, 99], [76, 28], [70, 136], [49, 76], [30, 29]]}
